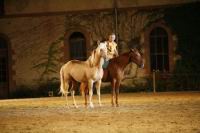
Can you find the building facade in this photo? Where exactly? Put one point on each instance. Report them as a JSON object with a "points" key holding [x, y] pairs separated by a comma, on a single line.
{"points": [[29, 28]]}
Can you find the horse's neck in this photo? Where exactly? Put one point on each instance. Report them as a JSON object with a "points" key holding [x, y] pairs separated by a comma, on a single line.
{"points": [[88, 61], [97, 63], [122, 61], [101, 62]]}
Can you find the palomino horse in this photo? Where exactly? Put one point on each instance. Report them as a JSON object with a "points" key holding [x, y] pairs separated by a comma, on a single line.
{"points": [[114, 73], [88, 72]]}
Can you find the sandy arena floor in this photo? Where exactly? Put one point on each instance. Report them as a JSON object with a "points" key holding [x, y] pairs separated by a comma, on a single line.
{"points": [[138, 113]]}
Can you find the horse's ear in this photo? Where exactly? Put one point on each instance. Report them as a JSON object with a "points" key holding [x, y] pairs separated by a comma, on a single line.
{"points": [[133, 49], [98, 42]]}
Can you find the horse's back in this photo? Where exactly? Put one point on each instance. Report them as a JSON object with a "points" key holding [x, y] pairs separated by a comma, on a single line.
{"points": [[113, 71], [75, 63], [76, 69]]}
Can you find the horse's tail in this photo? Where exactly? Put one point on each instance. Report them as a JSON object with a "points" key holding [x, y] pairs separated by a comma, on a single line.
{"points": [[62, 83]]}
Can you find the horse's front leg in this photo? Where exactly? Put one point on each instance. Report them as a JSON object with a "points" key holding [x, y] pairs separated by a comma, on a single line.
{"points": [[90, 86], [98, 88], [113, 92], [117, 85], [84, 91]]}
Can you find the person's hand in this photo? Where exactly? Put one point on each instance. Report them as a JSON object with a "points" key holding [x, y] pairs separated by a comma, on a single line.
{"points": [[107, 59], [116, 54]]}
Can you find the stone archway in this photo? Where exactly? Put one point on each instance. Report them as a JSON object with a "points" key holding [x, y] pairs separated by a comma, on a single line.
{"points": [[159, 55], [77, 46], [74, 38], [165, 34]]}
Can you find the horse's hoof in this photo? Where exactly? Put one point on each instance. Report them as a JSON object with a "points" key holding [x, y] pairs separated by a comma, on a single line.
{"points": [[100, 104], [91, 106], [76, 106], [86, 106], [67, 106], [117, 105], [113, 105]]}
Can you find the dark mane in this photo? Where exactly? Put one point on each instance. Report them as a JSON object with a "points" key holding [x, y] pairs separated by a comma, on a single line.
{"points": [[121, 55]]}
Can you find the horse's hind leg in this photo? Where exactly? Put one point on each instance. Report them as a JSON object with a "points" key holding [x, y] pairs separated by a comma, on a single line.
{"points": [[66, 93], [73, 93], [98, 88]]}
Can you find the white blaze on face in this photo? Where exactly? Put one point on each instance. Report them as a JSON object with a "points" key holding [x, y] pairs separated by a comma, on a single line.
{"points": [[102, 46]]}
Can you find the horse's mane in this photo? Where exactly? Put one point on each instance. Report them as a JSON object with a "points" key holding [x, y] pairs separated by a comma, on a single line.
{"points": [[92, 57], [120, 56]]}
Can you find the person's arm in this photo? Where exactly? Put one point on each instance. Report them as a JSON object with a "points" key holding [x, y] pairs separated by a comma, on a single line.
{"points": [[116, 51]]}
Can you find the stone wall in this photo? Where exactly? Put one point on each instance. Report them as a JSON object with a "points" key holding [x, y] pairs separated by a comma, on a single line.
{"points": [[30, 39], [32, 36], [131, 24]]}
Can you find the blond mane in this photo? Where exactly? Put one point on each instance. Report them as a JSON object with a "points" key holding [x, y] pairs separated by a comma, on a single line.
{"points": [[93, 58]]}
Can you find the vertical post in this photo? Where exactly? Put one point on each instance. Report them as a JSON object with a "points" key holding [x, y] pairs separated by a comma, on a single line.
{"points": [[116, 20], [154, 81]]}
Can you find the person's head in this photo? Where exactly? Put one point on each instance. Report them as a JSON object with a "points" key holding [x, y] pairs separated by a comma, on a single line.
{"points": [[111, 37]]}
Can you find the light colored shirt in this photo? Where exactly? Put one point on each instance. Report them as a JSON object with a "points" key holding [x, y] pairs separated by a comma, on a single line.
{"points": [[112, 49]]}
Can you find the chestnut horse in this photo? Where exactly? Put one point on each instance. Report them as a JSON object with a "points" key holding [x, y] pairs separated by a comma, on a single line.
{"points": [[114, 73]]}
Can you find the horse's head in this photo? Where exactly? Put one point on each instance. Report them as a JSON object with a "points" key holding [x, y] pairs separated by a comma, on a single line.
{"points": [[102, 49], [98, 53], [136, 57]]}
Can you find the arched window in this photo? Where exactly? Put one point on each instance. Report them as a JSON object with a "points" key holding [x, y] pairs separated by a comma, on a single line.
{"points": [[159, 56], [77, 46], [3, 68], [2, 7]]}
